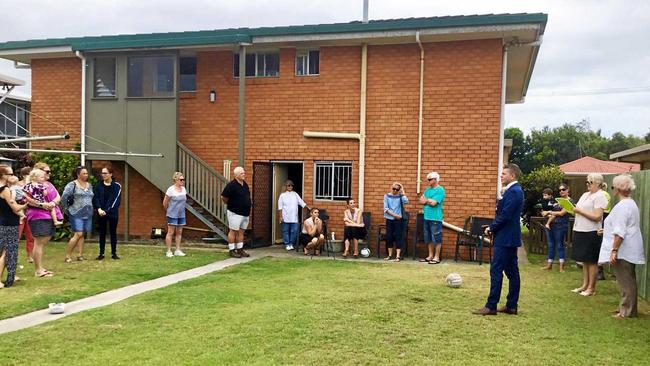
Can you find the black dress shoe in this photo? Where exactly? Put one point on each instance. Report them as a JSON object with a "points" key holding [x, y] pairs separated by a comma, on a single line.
{"points": [[507, 310], [484, 311], [100, 257], [114, 256]]}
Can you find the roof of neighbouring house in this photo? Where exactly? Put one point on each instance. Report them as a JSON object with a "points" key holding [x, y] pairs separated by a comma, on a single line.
{"points": [[586, 165], [236, 35], [637, 154]]}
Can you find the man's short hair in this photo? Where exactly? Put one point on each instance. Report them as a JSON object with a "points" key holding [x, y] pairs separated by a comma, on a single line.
{"points": [[238, 170], [513, 168], [548, 191]]}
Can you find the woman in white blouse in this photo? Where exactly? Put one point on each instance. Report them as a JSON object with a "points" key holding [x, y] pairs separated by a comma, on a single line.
{"points": [[623, 244], [586, 241]]}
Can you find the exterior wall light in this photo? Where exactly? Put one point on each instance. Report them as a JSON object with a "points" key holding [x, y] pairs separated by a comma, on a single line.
{"points": [[213, 96]]}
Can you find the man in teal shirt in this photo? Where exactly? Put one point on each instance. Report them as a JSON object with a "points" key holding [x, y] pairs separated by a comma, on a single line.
{"points": [[432, 199]]}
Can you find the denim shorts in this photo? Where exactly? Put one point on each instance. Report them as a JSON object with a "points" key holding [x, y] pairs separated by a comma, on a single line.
{"points": [[41, 227], [433, 231], [79, 224], [176, 221]]}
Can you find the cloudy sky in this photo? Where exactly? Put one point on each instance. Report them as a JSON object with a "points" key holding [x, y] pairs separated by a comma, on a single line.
{"points": [[593, 63]]}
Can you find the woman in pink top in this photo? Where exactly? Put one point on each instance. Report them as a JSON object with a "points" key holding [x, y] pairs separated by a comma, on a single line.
{"points": [[40, 220]]}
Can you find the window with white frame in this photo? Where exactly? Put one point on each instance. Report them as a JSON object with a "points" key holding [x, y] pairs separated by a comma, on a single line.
{"points": [[332, 180], [259, 64], [307, 62], [13, 120]]}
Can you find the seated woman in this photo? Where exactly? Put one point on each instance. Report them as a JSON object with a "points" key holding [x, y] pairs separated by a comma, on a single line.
{"points": [[312, 237], [354, 228]]}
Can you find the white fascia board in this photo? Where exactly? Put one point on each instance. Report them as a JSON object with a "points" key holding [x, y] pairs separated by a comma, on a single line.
{"points": [[36, 51], [8, 80], [502, 29]]}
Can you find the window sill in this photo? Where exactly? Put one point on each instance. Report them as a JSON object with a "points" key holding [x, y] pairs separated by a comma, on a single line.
{"points": [[187, 95], [146, 98], [103, 98]]}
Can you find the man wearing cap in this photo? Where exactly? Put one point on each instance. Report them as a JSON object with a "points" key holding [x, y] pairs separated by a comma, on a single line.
{"points": [[288, 214], [432, 199]]}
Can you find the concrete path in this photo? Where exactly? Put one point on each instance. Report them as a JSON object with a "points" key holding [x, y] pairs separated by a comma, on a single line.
{"points": [[113, 296]]}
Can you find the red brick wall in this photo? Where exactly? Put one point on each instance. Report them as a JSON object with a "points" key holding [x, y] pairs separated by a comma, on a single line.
{"points": [[56, 100], [461, 120], [461, 123]]}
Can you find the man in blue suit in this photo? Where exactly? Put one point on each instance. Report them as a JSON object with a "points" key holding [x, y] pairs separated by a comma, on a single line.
{"points": [[506, 236]]}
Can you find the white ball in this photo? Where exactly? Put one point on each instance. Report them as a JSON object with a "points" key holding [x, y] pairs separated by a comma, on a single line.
{"points": [[454, 280], [365, 252]]}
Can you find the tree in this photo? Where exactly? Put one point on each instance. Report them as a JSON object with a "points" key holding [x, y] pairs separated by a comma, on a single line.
{"points": [[520, 149]]}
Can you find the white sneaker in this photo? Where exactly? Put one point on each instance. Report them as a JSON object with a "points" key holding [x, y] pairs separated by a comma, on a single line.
{"points": [[169, 254], [290, 247], [179, 253]]}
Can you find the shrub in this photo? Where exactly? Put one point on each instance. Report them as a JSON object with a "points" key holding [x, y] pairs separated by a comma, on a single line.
{"points": [[534, 182]]}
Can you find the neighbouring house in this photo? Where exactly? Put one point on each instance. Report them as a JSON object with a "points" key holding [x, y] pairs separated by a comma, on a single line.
{"points": [[341, 109], [639, 155], [14, 114], [576, 171]]}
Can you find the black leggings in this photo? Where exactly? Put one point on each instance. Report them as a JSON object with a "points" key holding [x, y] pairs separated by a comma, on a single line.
{"points": [[112, 227]]}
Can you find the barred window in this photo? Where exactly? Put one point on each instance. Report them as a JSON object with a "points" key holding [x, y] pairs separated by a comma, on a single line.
{"points": [[332, 180]]}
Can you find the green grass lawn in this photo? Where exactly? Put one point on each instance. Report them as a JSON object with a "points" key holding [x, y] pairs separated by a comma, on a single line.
{"points": [[76, 280], [283, 311]]}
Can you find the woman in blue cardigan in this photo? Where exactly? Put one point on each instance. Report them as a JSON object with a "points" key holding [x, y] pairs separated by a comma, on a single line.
{"points": [[108, 194]]}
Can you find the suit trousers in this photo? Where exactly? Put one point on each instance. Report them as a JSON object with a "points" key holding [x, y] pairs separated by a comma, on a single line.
{"points": [[626, 278], [505, 261]]}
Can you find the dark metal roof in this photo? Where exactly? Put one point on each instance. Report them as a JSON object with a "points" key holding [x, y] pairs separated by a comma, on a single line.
{"points": [[237, 35]]}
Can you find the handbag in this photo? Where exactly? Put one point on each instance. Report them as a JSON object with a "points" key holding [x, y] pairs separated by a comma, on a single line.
{"points": [[70, 199]]}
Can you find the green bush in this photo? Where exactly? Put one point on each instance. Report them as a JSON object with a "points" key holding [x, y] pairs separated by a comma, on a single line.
{"points": [[548, 176], [61, 166]]}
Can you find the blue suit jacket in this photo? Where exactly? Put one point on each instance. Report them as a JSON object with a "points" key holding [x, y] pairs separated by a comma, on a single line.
{"points": [[506, 227]]}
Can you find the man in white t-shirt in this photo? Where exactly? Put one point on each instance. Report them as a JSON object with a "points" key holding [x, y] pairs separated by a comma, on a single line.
{"points": [[288, 214]]}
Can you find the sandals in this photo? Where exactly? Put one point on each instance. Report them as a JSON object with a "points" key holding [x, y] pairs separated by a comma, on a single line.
{"points": [[68, 260], [427, 260], [45, 273], [388, 258], [586, 293], [81, 258], [578, 290], [433, 261]]}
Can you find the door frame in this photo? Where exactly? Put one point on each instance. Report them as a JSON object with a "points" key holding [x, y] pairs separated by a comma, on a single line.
{"points": [[274, 202]]}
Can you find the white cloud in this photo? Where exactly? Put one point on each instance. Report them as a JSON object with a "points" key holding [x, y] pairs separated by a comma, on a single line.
{"points": [[589, 44]]}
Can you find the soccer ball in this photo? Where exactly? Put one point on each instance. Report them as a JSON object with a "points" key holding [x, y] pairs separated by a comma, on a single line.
{"points": [[454, 280], [365, 252]]}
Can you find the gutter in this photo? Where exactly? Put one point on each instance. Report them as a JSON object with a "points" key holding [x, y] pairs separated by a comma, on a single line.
{"points": [[83, 106], [421, 106]]}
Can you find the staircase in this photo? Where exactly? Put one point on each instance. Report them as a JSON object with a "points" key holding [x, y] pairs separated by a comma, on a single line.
{"points": [[204, 186]]}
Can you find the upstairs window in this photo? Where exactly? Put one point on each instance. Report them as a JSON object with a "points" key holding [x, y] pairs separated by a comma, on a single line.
{"points": [[150, 77], [307, 62], [187, 80], [104, 77], [259, 64], [332, 180]]}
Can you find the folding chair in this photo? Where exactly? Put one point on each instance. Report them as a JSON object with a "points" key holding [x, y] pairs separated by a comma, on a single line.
{"points": [[472, 237]]}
